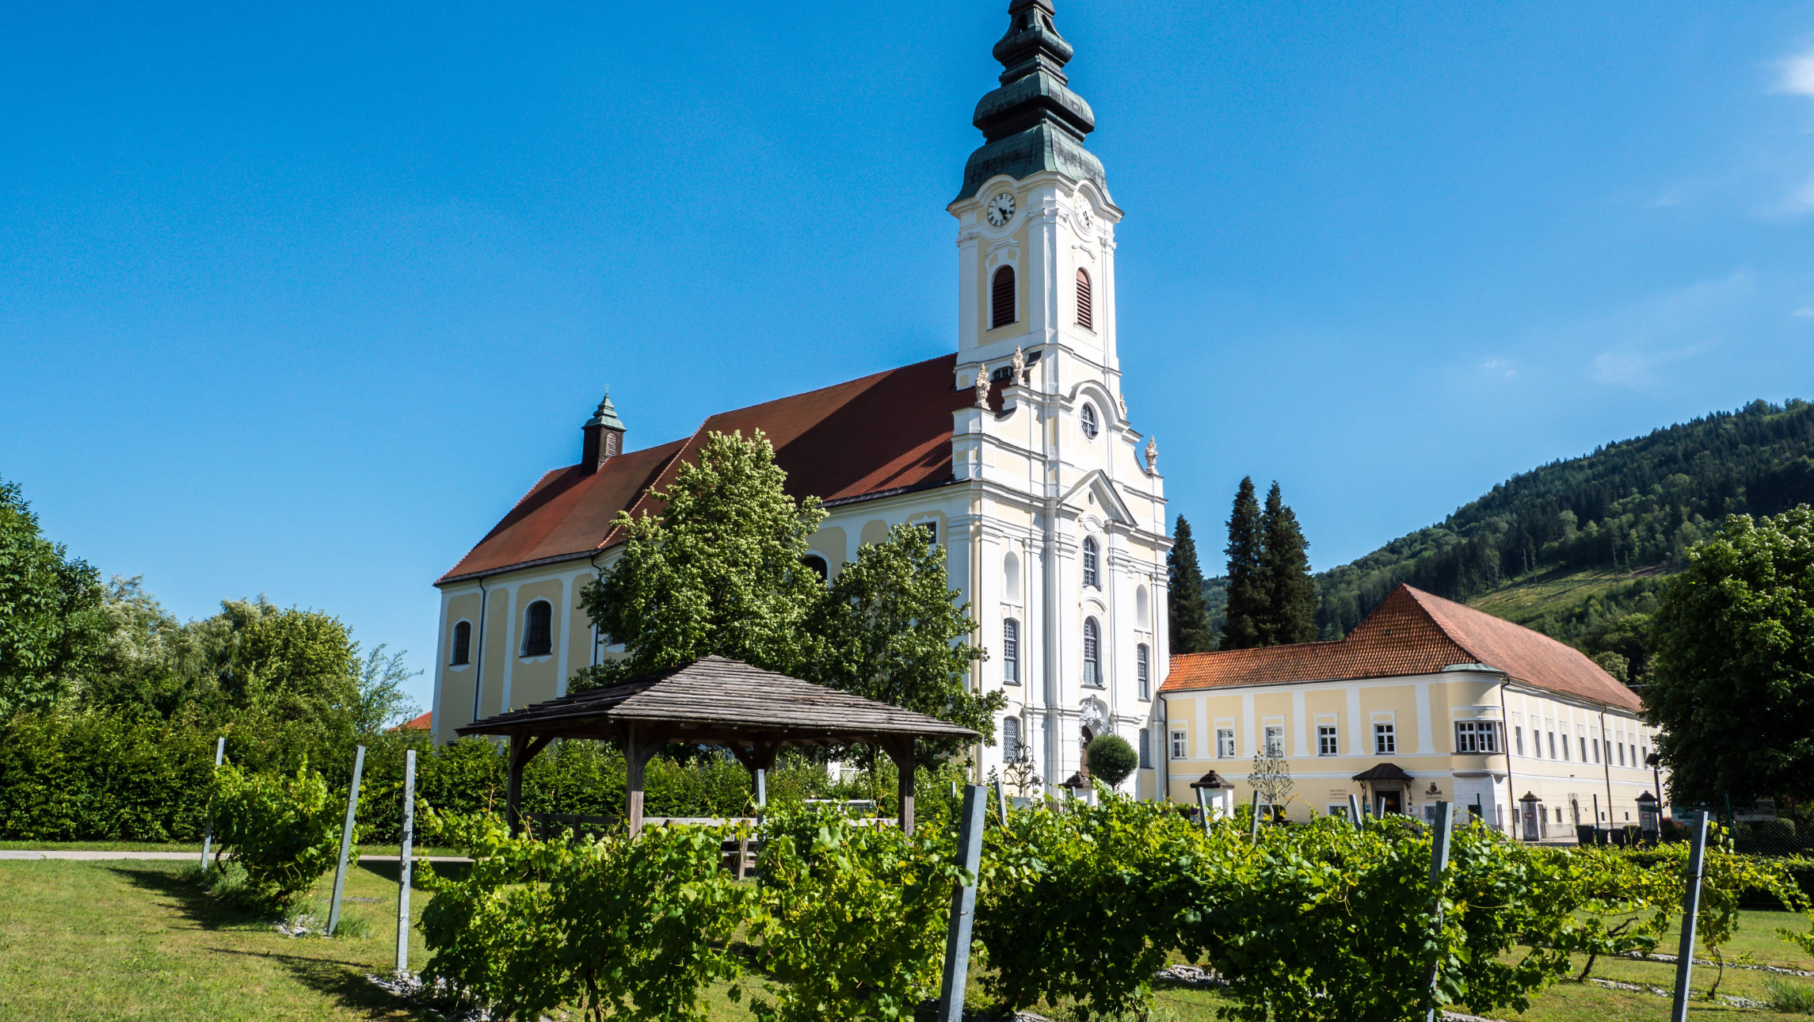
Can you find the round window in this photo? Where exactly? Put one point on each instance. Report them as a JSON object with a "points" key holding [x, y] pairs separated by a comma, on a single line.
{"points": [[1088, 418]]}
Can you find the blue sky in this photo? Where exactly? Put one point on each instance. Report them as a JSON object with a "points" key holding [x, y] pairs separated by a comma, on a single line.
{"points": [[298, 299]]}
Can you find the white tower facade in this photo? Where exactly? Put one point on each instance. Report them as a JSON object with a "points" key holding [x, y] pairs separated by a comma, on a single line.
{"points": [[1069, 520]]}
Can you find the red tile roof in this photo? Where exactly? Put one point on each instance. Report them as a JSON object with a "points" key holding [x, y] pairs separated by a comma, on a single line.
{"points": [[1411, 632], [422, 723], [868, 437]]}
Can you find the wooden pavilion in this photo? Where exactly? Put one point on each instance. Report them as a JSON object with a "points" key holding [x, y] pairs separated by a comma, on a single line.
{"points": [[713, 701]]}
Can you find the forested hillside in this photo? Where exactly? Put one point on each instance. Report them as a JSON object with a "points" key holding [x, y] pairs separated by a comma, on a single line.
{"points": [[1575, 548]]}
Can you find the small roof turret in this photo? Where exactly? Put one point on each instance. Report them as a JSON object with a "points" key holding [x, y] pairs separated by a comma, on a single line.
{"points": [[606, 415]]}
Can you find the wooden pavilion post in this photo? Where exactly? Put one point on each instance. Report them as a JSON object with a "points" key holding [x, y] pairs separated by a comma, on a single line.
{"points": [[522, 749], [900, 749], [640, 745]]}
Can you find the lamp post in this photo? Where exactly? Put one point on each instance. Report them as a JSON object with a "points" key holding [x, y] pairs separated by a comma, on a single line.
{"points": [[1655, 762]]}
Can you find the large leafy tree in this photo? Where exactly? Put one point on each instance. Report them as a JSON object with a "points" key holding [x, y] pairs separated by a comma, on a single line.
{"points": [[889, 628], [1290, 614], [1188, 612], [1247, 595], [1731, 677], [52, 622], [717, 572]]}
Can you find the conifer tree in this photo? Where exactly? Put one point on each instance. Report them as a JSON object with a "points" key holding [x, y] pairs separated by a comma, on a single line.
{"points": [[1186, 608], [1247, 596], [1290, 591]]}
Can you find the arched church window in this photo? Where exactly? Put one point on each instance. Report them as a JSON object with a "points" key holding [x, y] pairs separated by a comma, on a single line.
{"points": [[1010, 652], [1092, 564], [1010, 739], [462, 645], [1092, 653], [1084, 318], [1142, 613], [817, 566], [538, 629], [1087, 418], [1010, 577], [1001, 298]]}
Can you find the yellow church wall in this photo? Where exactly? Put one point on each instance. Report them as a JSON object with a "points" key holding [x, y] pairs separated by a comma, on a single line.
{"points": [[578, 634], [832, 543], [533, 679], [874, 532]]}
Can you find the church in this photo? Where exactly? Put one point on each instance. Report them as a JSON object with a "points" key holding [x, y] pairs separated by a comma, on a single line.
{"points": [[1015, 453]]}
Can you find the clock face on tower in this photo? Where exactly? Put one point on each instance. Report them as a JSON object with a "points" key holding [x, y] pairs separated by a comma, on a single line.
{"points": [[1001, 209]]}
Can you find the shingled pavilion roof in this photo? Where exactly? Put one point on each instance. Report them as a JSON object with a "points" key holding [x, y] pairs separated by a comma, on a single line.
{"points": [[716, 700], [713, 701]]}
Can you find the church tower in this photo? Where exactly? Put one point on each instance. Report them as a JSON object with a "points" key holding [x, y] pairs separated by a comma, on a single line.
{"points": [[1036, 224], [1065, 546]]}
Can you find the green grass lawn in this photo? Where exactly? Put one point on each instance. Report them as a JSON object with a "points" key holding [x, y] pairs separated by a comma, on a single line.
{"points": [[128, 940]]}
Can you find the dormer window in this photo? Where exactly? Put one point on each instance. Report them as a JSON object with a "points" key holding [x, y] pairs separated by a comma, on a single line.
{"points": [[1084, 317], [1001, 298], [1088, 420]]}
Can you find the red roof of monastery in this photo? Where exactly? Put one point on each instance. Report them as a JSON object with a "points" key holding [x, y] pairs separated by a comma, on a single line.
{"points": [[1411, 632], [868, 437]]}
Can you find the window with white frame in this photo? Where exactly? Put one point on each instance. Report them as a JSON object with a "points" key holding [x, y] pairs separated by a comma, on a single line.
{"points": [[1552, 746], [1621, 753], [1326, 742], [1010, 739], [1010, 652], [1518, 736], [1092, 564], [1337, 809], [1092, 653], [1385, 739], [1087, 418], [1180, 745], [1565, 754], [1143, 670], [1476, 736], [1275, 740], [1146, 749], [462, 645], [538, 629], [1225, 743], [1595, 742]]}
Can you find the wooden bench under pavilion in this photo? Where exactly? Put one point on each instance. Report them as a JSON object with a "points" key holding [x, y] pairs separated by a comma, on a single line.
{"points": [[713, 701]]}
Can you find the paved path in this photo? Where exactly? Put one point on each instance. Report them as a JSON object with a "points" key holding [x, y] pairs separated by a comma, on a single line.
{"points": [[12, 853]]}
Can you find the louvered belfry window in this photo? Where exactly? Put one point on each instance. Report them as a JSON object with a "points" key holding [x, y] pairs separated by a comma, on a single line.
{"points": [[1001, 298], [1084, 318]]}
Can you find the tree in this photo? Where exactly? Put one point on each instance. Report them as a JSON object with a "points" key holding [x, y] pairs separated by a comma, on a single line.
{"points": [[889, 628], [1270, 775], [1285, 569], [1189, 617], [1731, 674], [52, 623], [1111, 758], [1247, 597], [718, 572]]}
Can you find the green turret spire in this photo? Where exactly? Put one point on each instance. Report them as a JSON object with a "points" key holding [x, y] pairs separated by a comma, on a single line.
{"points": [[606, 415], [1033, 123]]}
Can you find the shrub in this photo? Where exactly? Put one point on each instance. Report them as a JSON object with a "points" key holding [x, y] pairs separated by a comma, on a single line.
{"points": [[1112, 759], [620, 928], [1790, 998], [285, 831], [852, 918]]}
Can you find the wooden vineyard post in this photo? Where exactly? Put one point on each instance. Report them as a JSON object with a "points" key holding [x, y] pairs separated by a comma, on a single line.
{"points": [[963, 908], [346, 841], [1691, 908], [1439, 861], [403, 861], [1253, 830], [761, 789], [220, 751]]}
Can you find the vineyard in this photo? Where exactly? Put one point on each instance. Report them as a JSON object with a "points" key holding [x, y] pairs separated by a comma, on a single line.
{"points": [[1078, 908]]}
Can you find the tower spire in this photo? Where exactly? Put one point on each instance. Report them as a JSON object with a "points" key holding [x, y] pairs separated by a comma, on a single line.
{"points": [[1032, 122]]}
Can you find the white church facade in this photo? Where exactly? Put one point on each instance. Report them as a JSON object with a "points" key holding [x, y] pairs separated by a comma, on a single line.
{"points": [[1016, 451]]}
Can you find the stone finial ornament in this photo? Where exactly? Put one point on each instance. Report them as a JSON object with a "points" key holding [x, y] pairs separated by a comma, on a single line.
{"points": [[1020, 369], [1121, 401], [1152, 455], [982, 387]]}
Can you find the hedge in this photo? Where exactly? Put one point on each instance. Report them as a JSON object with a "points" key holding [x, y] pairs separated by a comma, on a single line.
{"points": [[105, 776]]}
